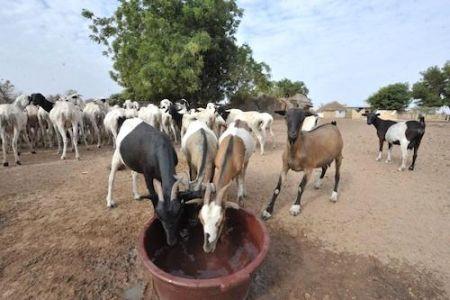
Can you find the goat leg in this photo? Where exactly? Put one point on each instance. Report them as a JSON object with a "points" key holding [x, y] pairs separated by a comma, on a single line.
{"points": [[319, 180], [267, 213], [380, 150], [296, 207]]}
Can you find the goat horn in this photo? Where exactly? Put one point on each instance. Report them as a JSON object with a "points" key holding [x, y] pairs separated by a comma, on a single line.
{"points": [[221, 192], [174, 192], [158, 189], [230, 204], [197, 201]]}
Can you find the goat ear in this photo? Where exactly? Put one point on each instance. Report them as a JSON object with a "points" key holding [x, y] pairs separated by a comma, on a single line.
{"points": [[230, 204], [281, 112], [158, 189], [364, 114], [377, 114]]}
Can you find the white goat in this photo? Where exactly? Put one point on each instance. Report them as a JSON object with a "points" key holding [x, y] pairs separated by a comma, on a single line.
{"points": [[94, 113], [111, 122], [32, 125], [260, 123], [151, 115], [63, 115], [46, 126], [13, 120]]}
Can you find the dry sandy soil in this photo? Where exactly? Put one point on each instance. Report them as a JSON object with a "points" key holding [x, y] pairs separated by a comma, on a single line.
{"points": [[387, 237]]}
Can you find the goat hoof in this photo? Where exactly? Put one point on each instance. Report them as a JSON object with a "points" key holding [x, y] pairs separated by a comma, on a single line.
{"points": [[334, 196], [265, 215], [18, 163], [33, 152], [99, 146], [401, 169], [112, 205], [411, 168], [387, 161], [5, 164], [295, 209], [18, 153], [241, 201], [137, 197], [63, 157]]}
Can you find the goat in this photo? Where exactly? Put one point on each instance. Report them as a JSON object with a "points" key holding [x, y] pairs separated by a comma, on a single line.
{"points": [[146, 150], [13, 119], [45, 123], [113, 120], [182, 106], [63, 114], [199, 145], [260, 123], [164, 104], [310, 123], [305, 151], [32, 128], [75, 99], [46, 126], [130, 109], [236, 146], [95, 114], [151, 114], [406, 134]]}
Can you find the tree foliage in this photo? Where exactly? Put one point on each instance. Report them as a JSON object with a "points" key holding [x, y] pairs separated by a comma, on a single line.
{"points": [[288, 88], [433, 89], [8, 91], [395, 96], [177, 49]]}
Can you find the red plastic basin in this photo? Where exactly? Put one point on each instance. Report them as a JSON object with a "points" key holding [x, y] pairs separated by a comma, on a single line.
{"points": [[234, 285]]}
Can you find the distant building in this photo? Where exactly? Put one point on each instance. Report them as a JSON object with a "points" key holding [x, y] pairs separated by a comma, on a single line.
{"points": [[355, 112], [332, 110]]}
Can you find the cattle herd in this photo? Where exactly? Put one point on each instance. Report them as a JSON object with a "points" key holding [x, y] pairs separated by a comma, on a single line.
{"points": [[217, 142]]}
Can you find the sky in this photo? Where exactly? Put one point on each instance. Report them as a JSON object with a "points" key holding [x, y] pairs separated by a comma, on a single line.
{"points": [[342, 50]]}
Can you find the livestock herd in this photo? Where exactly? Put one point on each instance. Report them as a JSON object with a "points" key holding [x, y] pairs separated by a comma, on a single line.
{"points": [[216, 141]]}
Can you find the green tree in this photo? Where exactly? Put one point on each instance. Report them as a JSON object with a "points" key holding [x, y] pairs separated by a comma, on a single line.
{"points": [[171, 48], [394, 96], [248, 78], [8, 91], [288, 88], [433, 89]]}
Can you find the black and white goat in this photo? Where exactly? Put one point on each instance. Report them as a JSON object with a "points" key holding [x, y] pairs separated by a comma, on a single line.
{"points": [[406, 134], [148, 151]]}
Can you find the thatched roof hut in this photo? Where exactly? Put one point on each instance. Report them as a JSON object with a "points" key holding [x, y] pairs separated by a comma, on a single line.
{"points": [[298, 100], [332, 106]]}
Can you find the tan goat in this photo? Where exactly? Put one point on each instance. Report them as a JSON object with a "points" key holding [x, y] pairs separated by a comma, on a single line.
{"points": [[306, 151], [236, 146], [199, 145]]}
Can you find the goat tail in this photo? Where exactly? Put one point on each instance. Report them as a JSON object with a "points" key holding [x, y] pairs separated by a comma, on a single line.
{"points": [[333, 123], [201, 172]]}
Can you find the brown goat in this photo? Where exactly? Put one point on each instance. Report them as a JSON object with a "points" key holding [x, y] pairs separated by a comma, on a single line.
{"points": [[235, 148], [306, 151], [199, 145]]}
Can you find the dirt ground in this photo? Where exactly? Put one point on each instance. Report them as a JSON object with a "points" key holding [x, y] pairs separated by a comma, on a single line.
{"points": [[388, 236]]}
